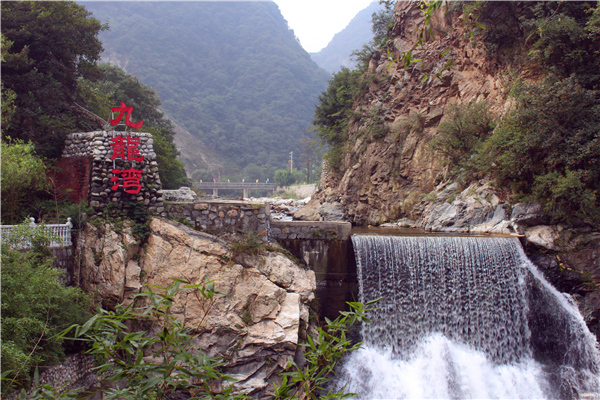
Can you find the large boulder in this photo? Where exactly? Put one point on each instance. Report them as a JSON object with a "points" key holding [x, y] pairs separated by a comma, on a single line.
{"points": [[332, 212], [256, 322], [475, 209]]}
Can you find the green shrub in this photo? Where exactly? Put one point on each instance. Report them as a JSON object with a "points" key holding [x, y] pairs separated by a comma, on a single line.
{"points": [[334, 158], [566, 195], [375, 124], [23, 173], [564, 41], [252, 244], [177, 364], [79, 213], [334, 113], [323, 353], [135, 211], [547, 147], [461, 135], [285, 177], [36, 305]]}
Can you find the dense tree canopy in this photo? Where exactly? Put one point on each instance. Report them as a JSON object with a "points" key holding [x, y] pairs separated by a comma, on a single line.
{"points": [[23, 173], [50, 45]]}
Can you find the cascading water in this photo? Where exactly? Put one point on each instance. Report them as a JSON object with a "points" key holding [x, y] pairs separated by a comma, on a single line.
{"points": [[465, 317]]}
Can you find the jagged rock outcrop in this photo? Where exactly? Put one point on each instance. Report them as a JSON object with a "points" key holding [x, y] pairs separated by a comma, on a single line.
{"points": [[255, 325], [384, 177]]}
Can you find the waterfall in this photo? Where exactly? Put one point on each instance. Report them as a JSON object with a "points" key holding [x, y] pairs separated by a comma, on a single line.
{"points": [[465, 317]]}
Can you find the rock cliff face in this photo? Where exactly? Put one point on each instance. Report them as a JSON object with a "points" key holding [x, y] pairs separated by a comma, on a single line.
{"points": [[255, 325], [384, 178]]}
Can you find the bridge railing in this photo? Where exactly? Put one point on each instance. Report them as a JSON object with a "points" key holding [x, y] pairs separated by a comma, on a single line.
{"points": [[235, 185], [62, 232]]}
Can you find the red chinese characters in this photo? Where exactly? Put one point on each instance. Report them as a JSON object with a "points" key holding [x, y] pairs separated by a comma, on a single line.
{"points": [[123, 109], [126, 148], [131, 180], [133, 149]]}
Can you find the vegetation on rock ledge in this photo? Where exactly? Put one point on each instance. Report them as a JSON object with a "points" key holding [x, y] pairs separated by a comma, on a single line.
{"points": [[546, 147]]}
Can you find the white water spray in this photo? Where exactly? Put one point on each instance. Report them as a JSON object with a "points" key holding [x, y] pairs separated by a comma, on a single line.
{"points": [[465, 318]]}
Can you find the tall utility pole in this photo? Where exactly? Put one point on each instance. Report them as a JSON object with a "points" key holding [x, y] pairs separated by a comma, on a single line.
{"points": [[291, 161]]}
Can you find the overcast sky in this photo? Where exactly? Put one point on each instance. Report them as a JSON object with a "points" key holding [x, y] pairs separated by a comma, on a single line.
{"points": [[315, 22]]}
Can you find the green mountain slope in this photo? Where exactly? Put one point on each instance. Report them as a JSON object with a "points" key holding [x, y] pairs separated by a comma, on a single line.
{"points": [[230, 73]]}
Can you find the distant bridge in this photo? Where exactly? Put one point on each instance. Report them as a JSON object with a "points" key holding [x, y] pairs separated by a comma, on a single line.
{"points": [[245, 186]]}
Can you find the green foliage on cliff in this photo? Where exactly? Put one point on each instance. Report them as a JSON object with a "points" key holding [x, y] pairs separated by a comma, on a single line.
{"points": [[383, 23], [548, 148], [178, 367], [231, 73], [36, 306], [463, 133], [334, 112], [562, 38], [323, 353]]}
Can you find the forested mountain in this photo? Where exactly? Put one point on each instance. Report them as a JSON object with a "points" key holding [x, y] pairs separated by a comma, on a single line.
{"points": [[231, 73], [358, 33]]}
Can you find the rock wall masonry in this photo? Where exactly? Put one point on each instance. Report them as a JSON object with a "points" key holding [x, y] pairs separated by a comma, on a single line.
{"points": [[97, 147], [218, 216]]}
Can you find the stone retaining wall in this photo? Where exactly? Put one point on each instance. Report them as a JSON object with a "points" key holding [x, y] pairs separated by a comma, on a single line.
{"points": [[76, 372], [97, 146], [221, 216]]}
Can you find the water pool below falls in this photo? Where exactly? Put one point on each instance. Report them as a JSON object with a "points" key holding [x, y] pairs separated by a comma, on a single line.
{"points": [[465, 317]]}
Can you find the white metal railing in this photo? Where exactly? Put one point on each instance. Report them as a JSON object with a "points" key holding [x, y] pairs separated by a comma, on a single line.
{"points": [[61, 231]]}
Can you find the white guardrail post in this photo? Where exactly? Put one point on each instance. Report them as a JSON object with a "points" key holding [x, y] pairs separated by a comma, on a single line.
{"points": [[63, 231]]}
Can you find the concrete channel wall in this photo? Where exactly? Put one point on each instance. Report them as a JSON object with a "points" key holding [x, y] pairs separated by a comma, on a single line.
{"points": [[282, 230]]}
